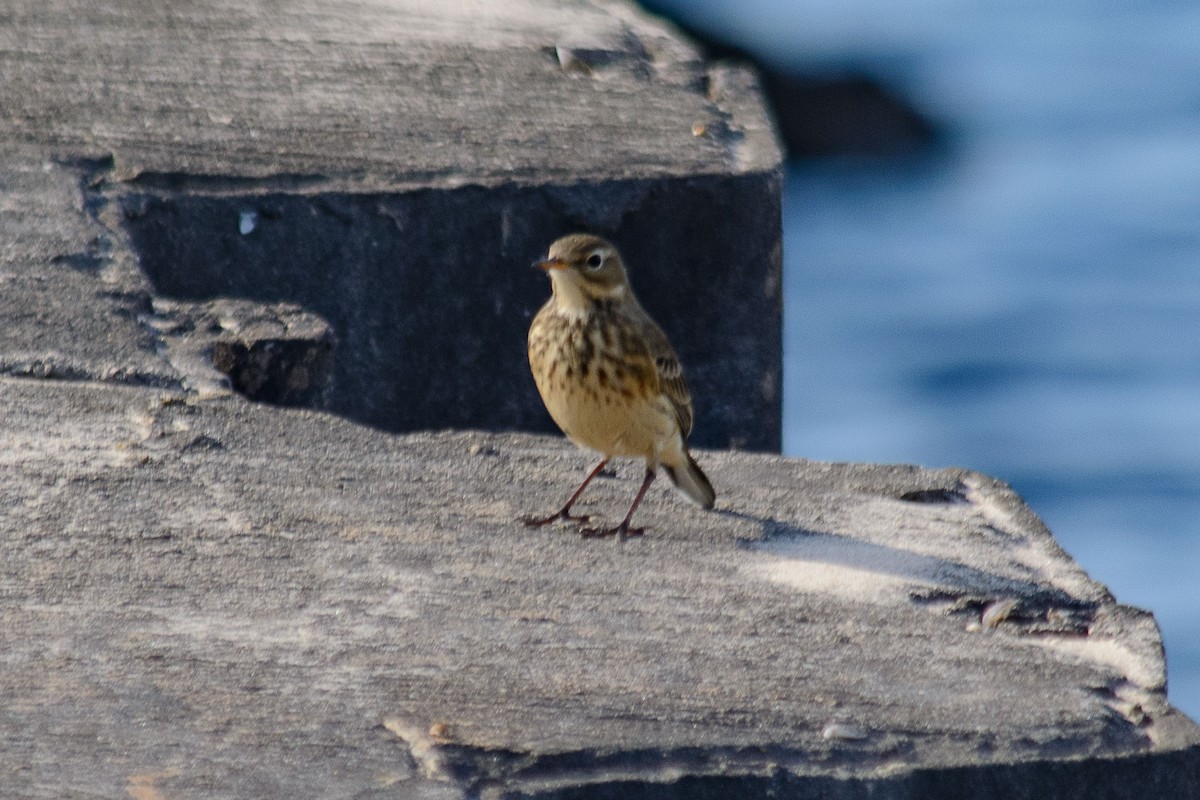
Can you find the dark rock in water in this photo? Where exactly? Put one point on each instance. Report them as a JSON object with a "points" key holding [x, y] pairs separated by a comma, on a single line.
{"points": [[849, 113]]}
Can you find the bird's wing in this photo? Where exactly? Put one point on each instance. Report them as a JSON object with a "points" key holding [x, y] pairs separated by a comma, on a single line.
{"points": [[670, 374]]}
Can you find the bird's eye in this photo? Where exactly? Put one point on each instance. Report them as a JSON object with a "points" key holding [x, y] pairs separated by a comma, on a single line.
{"points": [[595, 260]]}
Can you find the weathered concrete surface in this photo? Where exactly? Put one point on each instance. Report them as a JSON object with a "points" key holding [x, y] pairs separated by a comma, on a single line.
{"points": [[213, 598], [70, 302], [394, 167]]}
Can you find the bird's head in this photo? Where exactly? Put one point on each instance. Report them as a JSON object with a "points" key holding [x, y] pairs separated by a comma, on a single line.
{"points": [[584, 268]]}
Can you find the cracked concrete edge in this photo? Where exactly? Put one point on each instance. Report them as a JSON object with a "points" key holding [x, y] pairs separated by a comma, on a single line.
{"points": [[1123, 636], [754, 143], [747, 773], [77, 292], [734, 90]]}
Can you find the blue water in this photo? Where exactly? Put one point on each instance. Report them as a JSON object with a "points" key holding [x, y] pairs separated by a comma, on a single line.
{"points": [[1027, 304]]}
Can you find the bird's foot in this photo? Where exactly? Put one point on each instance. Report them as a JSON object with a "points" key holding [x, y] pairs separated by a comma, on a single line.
{"points": [[537, 522], [622, 531]]}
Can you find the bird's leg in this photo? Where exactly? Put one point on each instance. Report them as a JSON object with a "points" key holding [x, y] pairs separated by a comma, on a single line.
{"points": [[565, 511], [623, 529]]}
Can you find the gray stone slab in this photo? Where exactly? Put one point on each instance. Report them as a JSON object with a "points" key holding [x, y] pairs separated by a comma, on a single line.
{"points": [[370, 95], [224, 599], [394, 168]]}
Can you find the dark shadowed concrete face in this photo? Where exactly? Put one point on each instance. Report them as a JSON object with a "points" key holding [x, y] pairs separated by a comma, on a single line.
{"points": [[431, 315]]}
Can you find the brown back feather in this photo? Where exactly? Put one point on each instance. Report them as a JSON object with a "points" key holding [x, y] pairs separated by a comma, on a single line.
{"points": [[670, 373]]}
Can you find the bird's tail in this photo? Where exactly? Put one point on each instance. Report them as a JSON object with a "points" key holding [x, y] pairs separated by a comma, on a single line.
{"points": [[691, 480]]}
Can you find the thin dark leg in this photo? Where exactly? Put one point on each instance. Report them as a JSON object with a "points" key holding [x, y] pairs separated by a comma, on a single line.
{"points": [[623, 529], [565, 511]]}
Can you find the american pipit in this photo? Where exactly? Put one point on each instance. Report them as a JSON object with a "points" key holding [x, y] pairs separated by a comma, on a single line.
{"points": [[608, 375]]}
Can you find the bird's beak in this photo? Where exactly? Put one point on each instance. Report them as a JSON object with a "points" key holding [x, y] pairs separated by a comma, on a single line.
{"points": [[550, 263]]}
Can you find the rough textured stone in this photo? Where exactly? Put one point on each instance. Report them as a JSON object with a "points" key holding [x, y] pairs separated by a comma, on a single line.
{"points": [[273, 353], [214, 598], [69, 300]]}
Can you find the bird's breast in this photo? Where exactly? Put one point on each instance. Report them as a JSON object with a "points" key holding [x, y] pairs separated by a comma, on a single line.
{"points": [[602, 392]]}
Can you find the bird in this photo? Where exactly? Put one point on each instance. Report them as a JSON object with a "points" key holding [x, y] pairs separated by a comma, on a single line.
{"points": [[609, 376]]}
